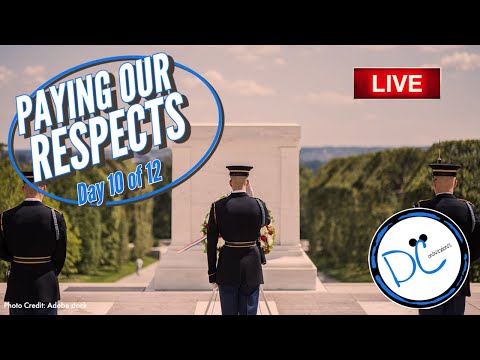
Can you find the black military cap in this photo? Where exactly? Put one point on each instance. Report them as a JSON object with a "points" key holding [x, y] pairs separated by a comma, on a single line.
{"points": [[441, 169], [28, 175], [239, 170]]}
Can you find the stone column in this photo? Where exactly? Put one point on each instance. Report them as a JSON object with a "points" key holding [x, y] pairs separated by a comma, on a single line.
{"points": [[290, 196]]}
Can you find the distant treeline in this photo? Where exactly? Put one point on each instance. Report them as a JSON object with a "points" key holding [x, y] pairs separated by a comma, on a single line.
{"points": [[345, 201], [98, 237]]}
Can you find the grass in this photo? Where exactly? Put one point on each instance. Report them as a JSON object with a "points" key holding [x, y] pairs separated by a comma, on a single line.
{"points": [[343, 273], [109, 275]]}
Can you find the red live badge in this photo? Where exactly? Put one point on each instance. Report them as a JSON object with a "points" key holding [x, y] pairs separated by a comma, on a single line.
{"points": [[396, 83]]}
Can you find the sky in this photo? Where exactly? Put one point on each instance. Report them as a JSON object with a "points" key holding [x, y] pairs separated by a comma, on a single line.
{"points": [[307, 85]]}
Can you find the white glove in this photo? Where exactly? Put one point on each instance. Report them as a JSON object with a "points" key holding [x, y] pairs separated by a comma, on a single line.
{"points": [[214, 286], [250, 189]]}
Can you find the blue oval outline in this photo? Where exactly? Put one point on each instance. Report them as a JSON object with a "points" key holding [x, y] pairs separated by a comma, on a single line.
{"points": [[184, 177]]}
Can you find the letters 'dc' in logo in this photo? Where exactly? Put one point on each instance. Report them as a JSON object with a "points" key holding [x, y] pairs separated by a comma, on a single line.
{"points": [[109, 109], [419, 258], [396, 83]]}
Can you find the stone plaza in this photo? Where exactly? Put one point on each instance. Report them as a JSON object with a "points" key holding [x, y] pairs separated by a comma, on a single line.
{"points": [[137, 296]]}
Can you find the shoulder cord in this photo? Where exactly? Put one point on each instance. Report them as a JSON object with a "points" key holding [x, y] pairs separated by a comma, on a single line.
{"points": [[263, 212], [472, 215], [55, 223], [214, 213]]}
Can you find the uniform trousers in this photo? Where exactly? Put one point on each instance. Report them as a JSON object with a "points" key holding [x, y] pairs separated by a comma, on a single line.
{"points": [[454, 306], [239, 300]]}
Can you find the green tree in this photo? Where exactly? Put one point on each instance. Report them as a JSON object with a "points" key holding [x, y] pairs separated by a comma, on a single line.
{"points": [[98, 237], [11, 184], [12, 195], [162, 208], [306, 175], [87, 220], [140, 214], [350, 197]]}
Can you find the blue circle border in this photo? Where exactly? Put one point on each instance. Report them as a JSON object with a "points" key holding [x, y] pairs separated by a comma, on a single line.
{"points": [[419, 212], [184, 177]]}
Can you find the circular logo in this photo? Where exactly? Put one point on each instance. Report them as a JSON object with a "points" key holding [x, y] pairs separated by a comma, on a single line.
{"points": [[419, 258]]}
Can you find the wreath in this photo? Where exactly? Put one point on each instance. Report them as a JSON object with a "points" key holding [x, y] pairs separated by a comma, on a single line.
{"points": [[267, 233]]}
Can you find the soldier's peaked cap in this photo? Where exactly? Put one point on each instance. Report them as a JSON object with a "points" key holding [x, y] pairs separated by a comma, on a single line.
{"points": [[28, 175], [441, 169], [239, 170]]}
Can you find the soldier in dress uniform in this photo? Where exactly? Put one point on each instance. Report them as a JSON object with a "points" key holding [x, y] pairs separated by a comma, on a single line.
{"points": [[238, 219], [462, 212], [33, 238]]}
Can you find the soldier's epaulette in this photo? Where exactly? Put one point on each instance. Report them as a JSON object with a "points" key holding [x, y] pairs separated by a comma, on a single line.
{"points": [[465, 201], [419, 203], [216, 202], [256, 198], [225, 197], [58, 211]]}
